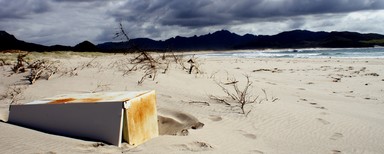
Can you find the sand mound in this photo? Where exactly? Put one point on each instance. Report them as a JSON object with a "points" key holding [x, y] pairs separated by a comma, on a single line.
{"points": [[172, 122]]}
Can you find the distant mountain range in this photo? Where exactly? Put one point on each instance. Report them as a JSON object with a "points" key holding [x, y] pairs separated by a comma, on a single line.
{"points": [[220, 40]]}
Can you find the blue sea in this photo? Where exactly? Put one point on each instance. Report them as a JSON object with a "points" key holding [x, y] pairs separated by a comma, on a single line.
{"points": [[303, 53]]}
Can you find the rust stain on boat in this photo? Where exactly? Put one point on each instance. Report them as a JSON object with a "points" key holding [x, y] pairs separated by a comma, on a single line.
{"points": [[92, 97], [74, 100], [90, 100], [62, 101]]}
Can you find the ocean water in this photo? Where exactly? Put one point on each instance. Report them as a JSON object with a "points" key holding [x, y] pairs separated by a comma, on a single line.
{"points": [[303, 53]]}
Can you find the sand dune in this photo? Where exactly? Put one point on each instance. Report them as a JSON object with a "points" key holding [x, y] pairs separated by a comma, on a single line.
{"points": [[307, 106]]}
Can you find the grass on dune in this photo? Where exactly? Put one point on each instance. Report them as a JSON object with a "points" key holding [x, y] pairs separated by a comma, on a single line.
{"points": [[9, 57]]}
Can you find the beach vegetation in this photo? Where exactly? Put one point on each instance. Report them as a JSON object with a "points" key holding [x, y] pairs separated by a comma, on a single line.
{"points": [[41, 69], [236, 96], [21, 64], [149, 63]]}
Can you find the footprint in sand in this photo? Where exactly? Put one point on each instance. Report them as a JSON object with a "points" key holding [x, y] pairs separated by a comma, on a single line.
{"points": [[325, 122], [257, 151], [167, 96], [303, 99], [336, 136], [350, 96], [248, 135], [321, 107], [194, 146], [336, 151], [317, 105], [215, 118], [99, 147], [271, 83]]}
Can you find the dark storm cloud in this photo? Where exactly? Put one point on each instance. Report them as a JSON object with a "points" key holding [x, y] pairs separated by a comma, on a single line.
{"points": [[74, 0], [72, 21], [20, 9], [81, 1], [200, 13]]}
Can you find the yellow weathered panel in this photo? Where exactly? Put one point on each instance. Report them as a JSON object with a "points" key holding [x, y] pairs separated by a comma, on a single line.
{"points": [[140, 119]]}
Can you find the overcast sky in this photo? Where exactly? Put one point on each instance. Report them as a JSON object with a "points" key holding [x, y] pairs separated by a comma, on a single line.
{"points": [[69, 22]]}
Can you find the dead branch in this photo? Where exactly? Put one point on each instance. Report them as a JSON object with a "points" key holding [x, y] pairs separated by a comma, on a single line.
{"points": [[265, 94], [199, 102], [274, 99], [121, 32], [219, 100], [231, 82]]}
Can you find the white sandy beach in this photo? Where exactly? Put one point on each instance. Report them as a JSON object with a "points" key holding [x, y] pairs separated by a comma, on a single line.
{"points": [[309, 105]]}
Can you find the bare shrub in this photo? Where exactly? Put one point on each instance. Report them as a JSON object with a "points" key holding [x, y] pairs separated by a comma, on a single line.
{"points": [[142, 61], [38, 69], [74, 71], [41, 69], [149, 64], [152, 64], [236, 97], [21, 64]]}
